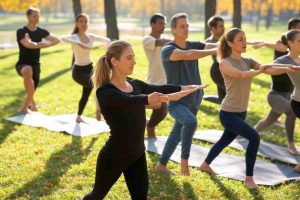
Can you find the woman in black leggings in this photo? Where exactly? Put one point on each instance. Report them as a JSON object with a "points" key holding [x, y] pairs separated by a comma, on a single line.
{"points": [[122, 101], [237, 74], [82, 70]]}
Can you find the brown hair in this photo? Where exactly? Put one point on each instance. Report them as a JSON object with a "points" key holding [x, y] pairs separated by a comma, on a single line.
{"points": [[102, 72], [292, 23], [76, 30], [213, 21], [224, 49], [289, 36]]}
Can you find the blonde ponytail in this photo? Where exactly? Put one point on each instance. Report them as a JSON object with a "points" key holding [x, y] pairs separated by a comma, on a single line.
{"points": [[103, 69], [102, 72]]}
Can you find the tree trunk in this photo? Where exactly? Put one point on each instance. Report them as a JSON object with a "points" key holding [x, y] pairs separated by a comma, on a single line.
{"points": [[237, 15], [76, 7], [269, 16], [210, 10], [111, 19], [162, 7]]}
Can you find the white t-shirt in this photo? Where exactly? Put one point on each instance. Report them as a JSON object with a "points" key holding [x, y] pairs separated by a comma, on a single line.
{"points": [[83, 56], [156, 72]]}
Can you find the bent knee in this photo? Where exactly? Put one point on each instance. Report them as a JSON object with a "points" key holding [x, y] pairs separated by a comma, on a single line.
{"points": [[191, 122], [255, 139], [26, 71]]}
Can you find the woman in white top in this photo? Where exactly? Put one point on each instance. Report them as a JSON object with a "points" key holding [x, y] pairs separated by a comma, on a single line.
{"points": [[82, 70]]}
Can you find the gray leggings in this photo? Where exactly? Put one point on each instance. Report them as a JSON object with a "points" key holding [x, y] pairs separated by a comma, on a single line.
{"points": [[280, 103]]}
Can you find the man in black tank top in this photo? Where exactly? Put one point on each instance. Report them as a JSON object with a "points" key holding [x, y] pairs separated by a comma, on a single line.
{"points": [[30, 42]]}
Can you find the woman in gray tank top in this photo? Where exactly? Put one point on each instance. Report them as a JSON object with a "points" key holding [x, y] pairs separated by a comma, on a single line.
{"points": [[237, 74]]}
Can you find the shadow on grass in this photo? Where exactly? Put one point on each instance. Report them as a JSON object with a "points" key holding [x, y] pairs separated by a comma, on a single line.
{"points": [[256, 194], [57, 165], [209, 110], [9, 54], [53, 76], [222, 188], [11, 108], [166, 186], [51, 52]]}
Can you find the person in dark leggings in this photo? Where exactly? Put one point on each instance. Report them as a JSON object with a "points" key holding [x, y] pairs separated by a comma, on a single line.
{"points": [[29, 40], [279, 95], [216, 26], [237, 74], [122, 101], [82, 70]]}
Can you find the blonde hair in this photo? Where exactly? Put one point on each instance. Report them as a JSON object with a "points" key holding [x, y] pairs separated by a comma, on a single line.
{"points": [[103, 69]]}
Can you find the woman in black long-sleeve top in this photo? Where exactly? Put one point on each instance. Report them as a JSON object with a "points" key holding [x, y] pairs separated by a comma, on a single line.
{"points": [[122, 101]]}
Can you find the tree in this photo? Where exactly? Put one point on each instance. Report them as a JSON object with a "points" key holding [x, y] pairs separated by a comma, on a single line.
{"points": [[210, 10], [269, 14], [111, 19], [162, 6], [77, 7], [237, 15]]}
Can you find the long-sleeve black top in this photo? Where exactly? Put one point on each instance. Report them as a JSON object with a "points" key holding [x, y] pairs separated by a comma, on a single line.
{"points": [[125, 114]]}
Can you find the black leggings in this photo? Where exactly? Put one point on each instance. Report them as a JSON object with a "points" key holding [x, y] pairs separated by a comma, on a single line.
{"points": [[234, 124], [217, 77], [108, 172], [158, 115], [82, 75], [295, 105]]}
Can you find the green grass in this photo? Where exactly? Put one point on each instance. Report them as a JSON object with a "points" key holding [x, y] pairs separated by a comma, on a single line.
{"points": [[39, 164]]}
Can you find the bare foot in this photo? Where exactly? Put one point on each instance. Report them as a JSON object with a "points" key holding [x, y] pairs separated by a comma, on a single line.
{"points": [[163, 169], [151, 132], [185, 170], [204, 167], [79, 119], [23, 111], [292, 149], [33, 108], [249, 183], [297, 168], [98, 115]]}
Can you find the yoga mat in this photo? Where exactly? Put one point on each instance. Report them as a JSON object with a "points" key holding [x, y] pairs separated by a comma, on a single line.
{"points": [[62, 123], [266, 149], [230, 166]]}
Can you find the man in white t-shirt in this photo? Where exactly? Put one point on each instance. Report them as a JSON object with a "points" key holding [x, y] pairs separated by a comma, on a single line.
{"points": [[156, 73]]}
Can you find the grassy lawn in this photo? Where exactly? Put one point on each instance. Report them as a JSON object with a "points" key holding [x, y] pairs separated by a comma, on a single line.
{"points": [[39, 164]]}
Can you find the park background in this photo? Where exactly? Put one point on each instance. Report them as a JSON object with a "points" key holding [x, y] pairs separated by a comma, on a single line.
{"points": [[39, 164]]}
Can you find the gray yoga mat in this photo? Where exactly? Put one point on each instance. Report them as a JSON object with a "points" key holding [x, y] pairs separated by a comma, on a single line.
{"points": [[230, 166], [266, 149], [62, 123]]}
